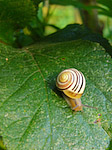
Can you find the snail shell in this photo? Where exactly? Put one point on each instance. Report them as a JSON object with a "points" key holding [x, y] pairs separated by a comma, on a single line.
{"points": [[72, 83]]}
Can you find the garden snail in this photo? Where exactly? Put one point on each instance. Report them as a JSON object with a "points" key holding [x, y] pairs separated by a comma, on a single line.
{"points": [[72, 83]]}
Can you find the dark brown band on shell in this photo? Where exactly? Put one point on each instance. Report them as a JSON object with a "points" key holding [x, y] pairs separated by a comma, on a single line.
{"points": [[81, 84], [75, 88]]}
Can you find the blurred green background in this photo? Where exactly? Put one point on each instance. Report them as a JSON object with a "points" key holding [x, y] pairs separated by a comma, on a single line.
{"points": [[25, 22]]}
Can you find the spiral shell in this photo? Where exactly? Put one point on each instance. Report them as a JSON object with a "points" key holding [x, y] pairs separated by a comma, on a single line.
{"points": [[71, 82]]}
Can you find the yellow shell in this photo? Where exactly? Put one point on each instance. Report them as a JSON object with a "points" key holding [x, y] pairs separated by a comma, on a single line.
{"points": [[63, 77], [71, 82]]}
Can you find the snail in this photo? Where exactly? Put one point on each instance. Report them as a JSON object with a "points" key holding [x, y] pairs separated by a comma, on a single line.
{"points": [[72, 84]]}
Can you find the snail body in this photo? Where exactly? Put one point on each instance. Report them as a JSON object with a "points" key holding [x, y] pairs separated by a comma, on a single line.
{"points": [[72, 84]]}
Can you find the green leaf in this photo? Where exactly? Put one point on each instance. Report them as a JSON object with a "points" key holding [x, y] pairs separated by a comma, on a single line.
{"points": [[68, 2], [76, 31], [14, 16], [106, 7], [78, 3], [6, 33], [17, 12], [33, 114], [2, 147]]}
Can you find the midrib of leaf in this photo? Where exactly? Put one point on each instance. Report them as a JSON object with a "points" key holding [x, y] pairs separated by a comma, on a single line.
{"points": [[46, 92]]}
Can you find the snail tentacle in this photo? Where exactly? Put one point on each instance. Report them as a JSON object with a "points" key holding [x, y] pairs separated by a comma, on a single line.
{"points": [[89, 106]]}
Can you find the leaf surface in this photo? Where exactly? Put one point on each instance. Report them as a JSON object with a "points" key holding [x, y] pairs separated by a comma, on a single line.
{"points": [[33, 113]]}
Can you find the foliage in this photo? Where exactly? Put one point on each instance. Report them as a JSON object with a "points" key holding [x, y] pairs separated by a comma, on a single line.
{"points": [[33, 113], [106, 7], [2, 147], [23, 22], [76, 31], [15, 15]]}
